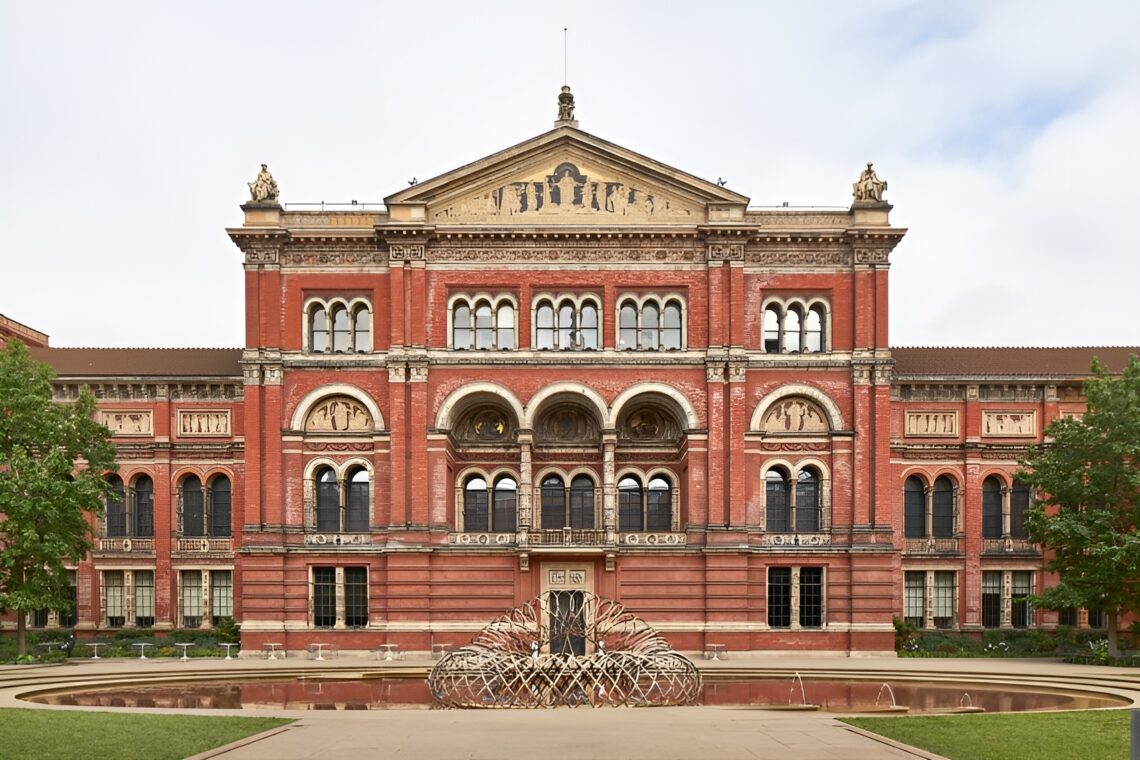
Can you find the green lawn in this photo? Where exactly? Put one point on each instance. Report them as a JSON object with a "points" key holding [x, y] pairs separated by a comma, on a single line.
{"points": [[1100, 734], [74, 735]]}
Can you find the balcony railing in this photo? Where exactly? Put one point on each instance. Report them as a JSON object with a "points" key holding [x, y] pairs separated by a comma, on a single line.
{"points": [[567, 537], [203, 545], [125, 545], [931, 546], [1008, 546]]}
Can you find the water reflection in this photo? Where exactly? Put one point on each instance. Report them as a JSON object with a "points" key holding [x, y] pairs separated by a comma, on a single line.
{"points": [[410, 693]]}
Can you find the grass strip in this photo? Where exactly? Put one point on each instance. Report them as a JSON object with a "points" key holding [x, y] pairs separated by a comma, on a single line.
{"points": [[1078, 735], [76, 735]]}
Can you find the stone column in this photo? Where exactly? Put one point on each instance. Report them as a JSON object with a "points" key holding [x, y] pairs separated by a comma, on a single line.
{"points": [[609, 485]]}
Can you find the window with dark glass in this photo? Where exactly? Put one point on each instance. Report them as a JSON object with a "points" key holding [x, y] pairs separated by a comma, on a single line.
{"points": [[70, 616], [914, 598], [942, 509], [116, 514], [772, 330], [991, 598], [324, 597], [114, 598], [191, 606], [221, 595], [659, 505], [645, 509], [193, 507], [1018, 507], [1021, 611], [476, 511], [328, 501], [220, 506], [582, 502], [991, 508], [807, 501], [629, 504], [778, 489], [945, 598], [1097, 618], [356, 501], [504, 519], [811, 597], [567, 507], [356, 597], [143, 506], [914, 508], [779, 597]]}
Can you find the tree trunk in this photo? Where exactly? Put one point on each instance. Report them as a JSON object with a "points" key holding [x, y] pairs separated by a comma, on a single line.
{"points": [[21, 634], [1113, 635]]}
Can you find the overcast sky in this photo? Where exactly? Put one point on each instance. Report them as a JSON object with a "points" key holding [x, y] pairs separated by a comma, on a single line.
{"points": [[1009, 134]]}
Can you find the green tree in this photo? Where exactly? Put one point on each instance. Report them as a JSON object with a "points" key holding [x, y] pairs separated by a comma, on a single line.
{"points": [[53, 460], [1087, 508]]}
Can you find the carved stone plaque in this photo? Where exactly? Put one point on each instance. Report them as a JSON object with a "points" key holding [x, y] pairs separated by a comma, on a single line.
{"points": [[1009, 424], [128, 422], [569, 191], [929, 424], [339, 414], [794, 415], [203, 422], [557, 577]]}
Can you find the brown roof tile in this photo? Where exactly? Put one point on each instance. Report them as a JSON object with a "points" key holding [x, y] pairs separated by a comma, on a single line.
{"points": [[955, 362], [141, 362]]}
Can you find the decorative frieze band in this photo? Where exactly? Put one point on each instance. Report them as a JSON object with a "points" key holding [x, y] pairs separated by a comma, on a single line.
{"points": [[204, 423], [932, 424], [128, 422], [1009, 424], [551, 255], [798, 258], [872, 255]]}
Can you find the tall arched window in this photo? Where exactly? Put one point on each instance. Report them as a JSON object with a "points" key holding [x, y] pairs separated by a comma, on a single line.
{"points": [[629, 504], [777, 489], [571, 507], [671, 327], [544, 327], [116, 515], [942, 509], [220, 507], [193, 507], [143, 516], [813, 330], [476, 511], [659, 505], [461, 326], [318, 329], [356, 501], [991, 508], [484, 326], [505, 327], [341, 330], [650, 327], [362, 330], [914, 508], [792, 331], [553, 499], [589, 328], [1018, 506], [807, 501], [582, 502], [567, 326], [772, 330], [504, 519], [328, 501], [627, 327]]}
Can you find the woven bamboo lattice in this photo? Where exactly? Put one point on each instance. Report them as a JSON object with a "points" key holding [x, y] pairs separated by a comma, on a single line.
{"points": [[565, 648]]}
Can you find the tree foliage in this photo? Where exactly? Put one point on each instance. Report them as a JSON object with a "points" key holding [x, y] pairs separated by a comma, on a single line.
{"points": [[1087, 508], [53, 461]]}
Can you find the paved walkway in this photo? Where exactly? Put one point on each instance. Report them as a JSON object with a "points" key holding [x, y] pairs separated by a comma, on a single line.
{"points": [[679, 733]]}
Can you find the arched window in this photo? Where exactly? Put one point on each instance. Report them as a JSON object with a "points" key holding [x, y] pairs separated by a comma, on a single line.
{"points": [[341, 330], [659, 505], [328, 501], [942, 509], [772, 330], [807, 501], [582, 502], [671, 327], [571, 507], [629, 504], [356, 501], [792, 331], [484, 326], [476, 512], [220, 507], [650, 327], [589, 327], [505, 327], [1018, 506], [116, 515], [544, 327], [318, 329], [461, 326], [627, 327], [914, 508], [777, 489], [362, 330], [991, 508], [504, 519], [143, 517], [553, 502], [813, 330], [193, 507]]}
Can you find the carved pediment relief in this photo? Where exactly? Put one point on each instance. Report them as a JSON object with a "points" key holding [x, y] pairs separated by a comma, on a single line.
{"points": [[568, 190], [485, 425], [567, 424], [794, 415], [339, 414], [649, 425]]}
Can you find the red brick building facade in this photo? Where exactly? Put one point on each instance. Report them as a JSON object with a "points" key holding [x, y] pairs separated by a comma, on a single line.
{"points": [[568, 367]]}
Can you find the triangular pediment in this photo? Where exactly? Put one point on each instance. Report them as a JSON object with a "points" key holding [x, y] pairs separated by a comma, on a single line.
{"points": [[565, 176]]}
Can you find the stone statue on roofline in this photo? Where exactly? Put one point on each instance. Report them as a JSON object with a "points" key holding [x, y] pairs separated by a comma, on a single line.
{"points": [[566, 108], [264, 188], [869, 188]]}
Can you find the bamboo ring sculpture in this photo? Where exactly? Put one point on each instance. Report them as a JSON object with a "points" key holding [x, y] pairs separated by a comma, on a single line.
{"points": [[565, 648]]}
